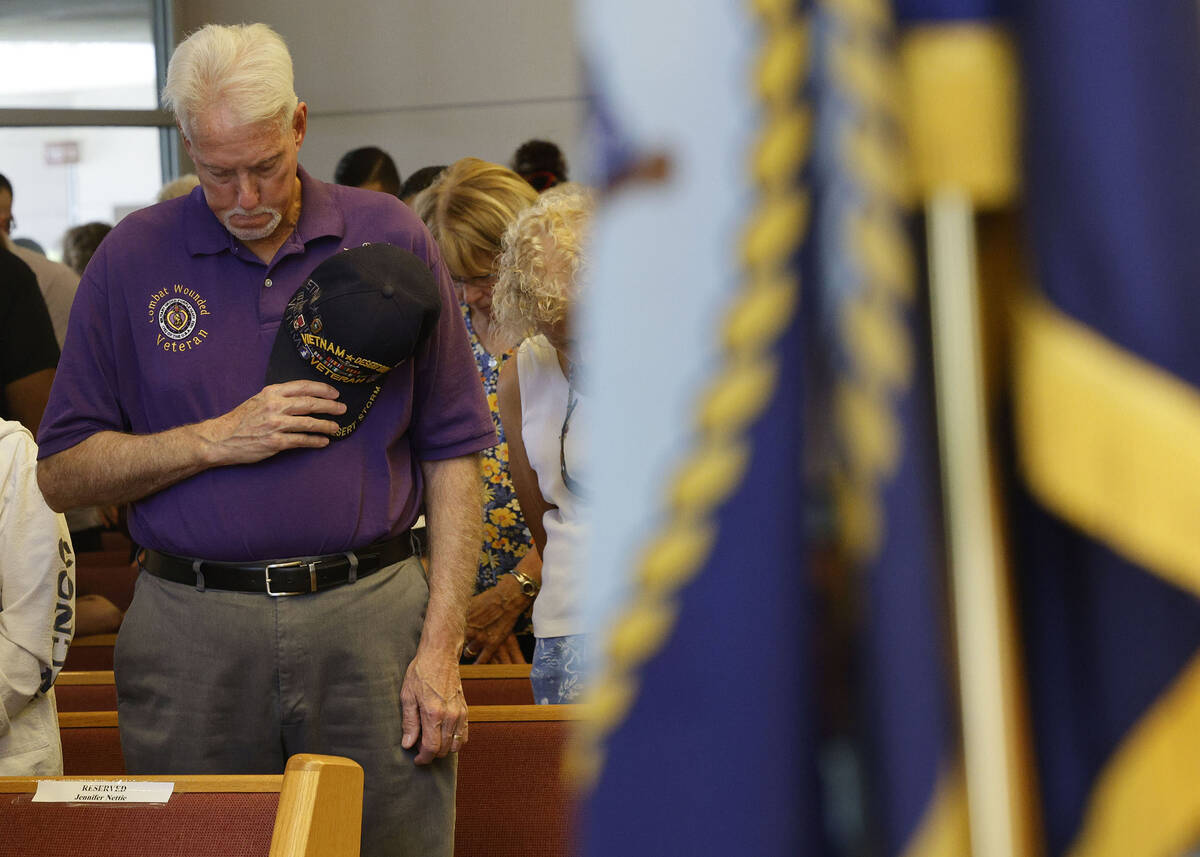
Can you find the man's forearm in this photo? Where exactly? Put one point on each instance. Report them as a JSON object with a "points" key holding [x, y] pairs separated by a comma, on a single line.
{"points": [[110, 468], [454, 512]]}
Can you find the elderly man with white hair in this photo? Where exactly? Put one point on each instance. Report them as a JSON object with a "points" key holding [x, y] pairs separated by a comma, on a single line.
{"points": [[247, 481]]}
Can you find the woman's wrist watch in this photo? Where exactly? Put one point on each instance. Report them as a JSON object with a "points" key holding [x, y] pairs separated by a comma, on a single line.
{"points": [[529, 586]]}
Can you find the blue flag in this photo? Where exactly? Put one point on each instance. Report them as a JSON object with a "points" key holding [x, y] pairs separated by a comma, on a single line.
{"points": [[1107, 413], [872, 331], [704, 741]]}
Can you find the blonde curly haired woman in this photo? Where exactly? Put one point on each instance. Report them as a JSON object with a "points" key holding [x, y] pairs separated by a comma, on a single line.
{"points": [[540, 405], [467, 208]]}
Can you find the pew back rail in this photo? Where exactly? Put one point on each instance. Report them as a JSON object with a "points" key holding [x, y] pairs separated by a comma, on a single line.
{"points": [[313, 808], [512, 800]]}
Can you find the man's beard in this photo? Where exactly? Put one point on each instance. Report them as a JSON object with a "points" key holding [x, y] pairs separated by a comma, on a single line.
{"points": [[252, 234]]}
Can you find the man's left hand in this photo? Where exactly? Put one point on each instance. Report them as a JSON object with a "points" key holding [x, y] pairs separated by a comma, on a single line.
{"points": [[433, 708]]}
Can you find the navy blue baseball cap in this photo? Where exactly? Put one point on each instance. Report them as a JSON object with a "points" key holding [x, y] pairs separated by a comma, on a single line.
{"points": [[360, 314]]}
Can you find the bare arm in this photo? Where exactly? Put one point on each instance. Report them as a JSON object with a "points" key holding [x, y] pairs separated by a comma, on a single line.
{"points": [[432, 702], [110, 468], [529, 495], [493, 613]]}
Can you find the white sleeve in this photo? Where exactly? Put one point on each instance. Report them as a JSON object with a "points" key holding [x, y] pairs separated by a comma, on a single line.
{"points": [[37, 579]]}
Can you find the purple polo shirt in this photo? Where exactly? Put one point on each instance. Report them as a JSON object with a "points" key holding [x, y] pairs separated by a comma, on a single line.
{"points": [[173, 323]]}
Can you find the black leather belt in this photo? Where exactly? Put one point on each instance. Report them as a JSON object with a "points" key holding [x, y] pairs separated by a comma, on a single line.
{"points": [[295, 576]]}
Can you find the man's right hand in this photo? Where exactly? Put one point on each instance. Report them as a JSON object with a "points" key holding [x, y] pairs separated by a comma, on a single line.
{"points": [[278, 417], [111, 468]]}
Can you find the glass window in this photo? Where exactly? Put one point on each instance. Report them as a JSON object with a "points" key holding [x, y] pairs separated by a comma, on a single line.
{"points": [[77, 54], [62, 177], [79, 135]]}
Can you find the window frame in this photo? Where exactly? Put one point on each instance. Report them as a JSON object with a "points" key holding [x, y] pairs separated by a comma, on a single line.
{"points": [[163, 31]]}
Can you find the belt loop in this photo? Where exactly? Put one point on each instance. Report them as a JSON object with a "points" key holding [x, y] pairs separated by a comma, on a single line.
{"points": [[353, 560], [196, 563]]}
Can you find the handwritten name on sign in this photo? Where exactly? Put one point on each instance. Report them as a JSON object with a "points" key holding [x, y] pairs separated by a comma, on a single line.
{"points": [[101, 791]]}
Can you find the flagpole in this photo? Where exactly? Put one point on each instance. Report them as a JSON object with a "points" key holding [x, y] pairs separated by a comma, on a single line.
{"points": [[970, 520], [962, 116]]}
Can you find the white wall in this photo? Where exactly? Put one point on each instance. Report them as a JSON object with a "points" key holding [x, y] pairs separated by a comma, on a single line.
{"points": [[428, 81]]}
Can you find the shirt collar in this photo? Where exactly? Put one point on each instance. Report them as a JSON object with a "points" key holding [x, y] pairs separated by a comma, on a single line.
{"points": [[319, 214], [204, 234]]}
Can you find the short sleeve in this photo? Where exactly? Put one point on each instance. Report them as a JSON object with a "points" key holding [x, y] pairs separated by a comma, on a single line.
{"points": [[85, 399], [450, 411]]}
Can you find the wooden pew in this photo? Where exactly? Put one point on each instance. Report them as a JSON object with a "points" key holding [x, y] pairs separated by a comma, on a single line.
{"points": [[91, 743], [93, 652], [496, 684], [511, 801], [107, 574], [313, 810], [486, 684], [85, 690], [113, 540], [105, 558]]}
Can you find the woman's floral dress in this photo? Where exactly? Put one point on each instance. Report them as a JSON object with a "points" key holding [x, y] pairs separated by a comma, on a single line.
{"points": [[505, 537]]}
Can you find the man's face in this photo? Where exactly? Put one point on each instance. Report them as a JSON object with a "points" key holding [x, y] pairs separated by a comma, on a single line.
{"points": [[248, 172], [5, 211]]}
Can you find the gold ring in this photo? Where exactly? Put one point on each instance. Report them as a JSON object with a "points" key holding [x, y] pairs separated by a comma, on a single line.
{"points": [[467, 651]]}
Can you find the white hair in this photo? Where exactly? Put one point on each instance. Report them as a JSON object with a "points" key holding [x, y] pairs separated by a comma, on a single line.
{"points": [[542, 258], [244, 69]]}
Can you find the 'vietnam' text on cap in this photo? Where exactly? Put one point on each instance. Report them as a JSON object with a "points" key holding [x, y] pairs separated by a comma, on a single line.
{"points": [[361, 313]]}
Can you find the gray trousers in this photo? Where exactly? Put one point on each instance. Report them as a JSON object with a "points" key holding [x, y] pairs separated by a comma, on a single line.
{"points": [[235, 683]]}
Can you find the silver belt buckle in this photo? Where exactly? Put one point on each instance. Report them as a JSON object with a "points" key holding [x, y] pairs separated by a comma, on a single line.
{"points": [[312, 576]]}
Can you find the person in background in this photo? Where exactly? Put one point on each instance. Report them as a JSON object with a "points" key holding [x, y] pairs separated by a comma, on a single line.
{"points": [[418, 181], [37, 604], [28, 348], [56, 281], [370, 168], [7, 221], [80, 243], [30, 339], [29, 244], [242, 489], [542, 397], [467, 209], [541, 163], [58, 284], [181, 186]]}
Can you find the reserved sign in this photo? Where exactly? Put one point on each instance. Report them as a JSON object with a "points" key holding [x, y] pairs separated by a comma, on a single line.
{"points": [[102, 791]]}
